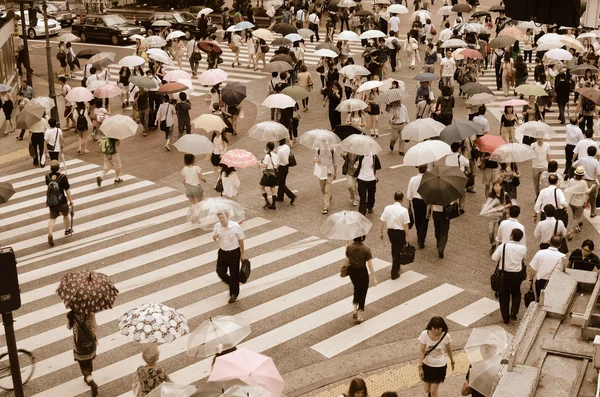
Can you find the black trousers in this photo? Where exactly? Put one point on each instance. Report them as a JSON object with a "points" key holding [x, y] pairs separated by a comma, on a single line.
{"points": [[282, 188], [421, 222], [392, 56], [366, 193], [86, 366], [568, 158], [295, 123], [586, 123], [527, 54], [498, 75], [230, 260], [441, 224], [37, 140], [398, 240], [360, 281], [539, 286], [510, 289]]}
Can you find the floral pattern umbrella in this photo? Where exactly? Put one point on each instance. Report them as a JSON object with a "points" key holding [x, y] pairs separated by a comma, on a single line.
{"points": [[153, 323], [238, 158], [87, 292]]}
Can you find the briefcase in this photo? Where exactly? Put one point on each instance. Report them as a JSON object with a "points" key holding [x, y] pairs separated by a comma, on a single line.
{"points": [[407, 255], [245, 271]]}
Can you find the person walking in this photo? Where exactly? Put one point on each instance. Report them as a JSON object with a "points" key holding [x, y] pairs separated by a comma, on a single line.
{"points": [[507, 226], [543, 264], [396, 218], [418, 206], [444, 107], [85, 340], [576, 191], [182, 109], [326, 170], [220, 142], [447, 69], [373, 110], [194, 54], [358, 259], [349, 169], [441, 225], [550, 195], [591, 169], [507, 124], [549, 227], [81, 126], [366, 178], [112, 160], [283, 154], [455, 159], [270, 165], [192, 176], [231, 181], [398, 118], [68, 113], [573, 134], [142, 102], [231, 237], [148, 377], [58, 199], [435, 343], [165, 119], [21, 103], [37, 137], [53, 140], [540, 162], [510, 257]]}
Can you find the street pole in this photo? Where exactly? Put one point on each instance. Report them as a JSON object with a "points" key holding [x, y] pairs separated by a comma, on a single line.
{"points": [[13, 355], [51, 92], [25, 45]]}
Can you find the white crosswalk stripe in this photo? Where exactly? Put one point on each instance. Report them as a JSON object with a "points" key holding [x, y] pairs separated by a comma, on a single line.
{"points": [[136, 233]]}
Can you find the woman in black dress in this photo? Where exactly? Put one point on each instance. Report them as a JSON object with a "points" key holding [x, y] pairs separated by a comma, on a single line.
{"points": [[85, 339], [7, 108], [124, 75], [333, 95], [358, 259]]}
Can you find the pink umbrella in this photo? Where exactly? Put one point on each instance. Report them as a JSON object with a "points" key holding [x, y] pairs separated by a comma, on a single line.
{"points": [[249, 367], [470, 53], [488, 143], [514, 102], [512, 32], [239, 158], [107, 91]]}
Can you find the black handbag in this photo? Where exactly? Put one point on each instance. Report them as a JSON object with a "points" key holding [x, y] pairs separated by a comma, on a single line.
{"points": [[320, 69], [219, 186], [497, 278], [346, 165], [529, 295], [292, 160], [452, 211], [407, 255], [516, 181], [245, 270]]}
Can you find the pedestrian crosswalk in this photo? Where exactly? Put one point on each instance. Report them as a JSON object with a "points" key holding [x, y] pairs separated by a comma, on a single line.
{"points": [[137, 233]]}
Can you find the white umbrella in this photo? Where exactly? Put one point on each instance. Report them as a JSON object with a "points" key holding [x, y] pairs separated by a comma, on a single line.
{"points": [[204, 11], [472, 28], [588, 35], [426, 152], [372, 34], [481, 99], [536, 129], [131, 61], [350, 105], [168, 389], [346, 225], [354, 70], [217, 334], [263, 34], [119, 127], [422, 129], [397, 9], [154, 42], [512, 153], [571, 42], [136, 37], [92, 86], [319, 139], [247, 391], [212, 77], [348, 35], [445, 10], [369, 85], [549, 45], [159, 55], [549, 37], [177, 74], [421, 14], [206, 211], [323, 52], [453, 43], [66, 37], [279, 101], [362, 145], [46, 102], [293, 37], [194, 144], [79, 94], [244, 25], [559, 54], [175, 35], [268, 131], [209, 122], [347, 3]]}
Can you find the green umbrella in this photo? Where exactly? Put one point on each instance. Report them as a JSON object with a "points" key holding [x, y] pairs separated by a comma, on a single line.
{"points": [[6, 192], [143, 82], [531, 89], [296, 92], [442, 185], [502, 42]]}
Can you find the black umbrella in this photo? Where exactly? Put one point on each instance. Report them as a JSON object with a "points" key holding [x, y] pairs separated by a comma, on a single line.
{"points": [[442, 185], [284, 58], [497, 8], [281, 41], [233, 93], [345, 130], [479, 14], [87, 53], [475, 88], [6, 192], [363, 13], [461, 8], [460, 130], [284, 29], [333, 7]]}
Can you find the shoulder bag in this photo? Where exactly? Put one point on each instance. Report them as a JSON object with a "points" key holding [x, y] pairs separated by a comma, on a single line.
{"points": [[529, 295], [292, 160], [497, 278], [452, 211], [563, 245], [163, 123], [436, 345], [51, 147]]}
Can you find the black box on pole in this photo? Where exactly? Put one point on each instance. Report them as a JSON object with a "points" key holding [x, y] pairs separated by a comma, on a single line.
{"points": [[10, 295]]}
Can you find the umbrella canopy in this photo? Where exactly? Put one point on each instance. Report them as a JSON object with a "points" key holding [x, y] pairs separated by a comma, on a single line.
{"points": [[268, 131], [284, 58], [371, 34], [306, 33], [347, 3], [96, 84], [348, 35], [497, 8], [175, 35], [426, 77], [393, 95], [297, 92], [549, 37], [444, 10], [346, 225], [514, 102], [352, 71], [502, 41], [233, 93], [284, 28], [536, 129], [319, 139], [479, 14], [206, 212], [6, 192], [87, 291], [397, 9], [293, 37], [325, 53], [343, 131], [5, 87], [571, 42], [362, 145], [422, 129], [172, 88], [107, 91], [66, 37], [460, 130], [194, 144], [387, 84], [475, 88], [266, 34], [481, 99], [281, 42], [205, 11], [136, 37], [153, 323], [207, 45], [143, 82], [513, 32], [244, 25], [119, 127], [363, 13], [277, 66], [442, 185], [531, 89], [46, 102], [31, 114], [488, 143], [209, 123], [279, 101], [369, 85], [549, 45], [590, 93], [426, 152], [102, 59], [168, 389], [212, 77], [87, 53], [217, 334], [462, 8], [454, 43], [582, 69], [238, 158], [249, 367], [131, 61], [351, 105], [177, 74], [216, 389], [159, 55], [327, 46], [559, 54], [469, 53], [513, 153]]}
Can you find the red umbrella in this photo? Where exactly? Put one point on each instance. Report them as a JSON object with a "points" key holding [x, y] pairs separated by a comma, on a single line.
{"points": [[470, 53], [238, 158], [172, 88], [488, 143], [206, 45]]}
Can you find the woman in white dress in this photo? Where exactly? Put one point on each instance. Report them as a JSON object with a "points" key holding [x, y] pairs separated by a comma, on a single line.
{"points": [[231, 181], [251, 44]]}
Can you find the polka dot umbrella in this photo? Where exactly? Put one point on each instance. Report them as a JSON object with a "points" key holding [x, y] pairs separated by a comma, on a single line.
{"points": [[153, 323], [87, 292]]}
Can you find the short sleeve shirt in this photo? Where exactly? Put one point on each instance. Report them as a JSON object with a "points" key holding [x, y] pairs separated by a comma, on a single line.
{"points": [[63, 185], [358, 255], [52, 136], [229, 236], [395, 216], [540, 160], [437, 357]]}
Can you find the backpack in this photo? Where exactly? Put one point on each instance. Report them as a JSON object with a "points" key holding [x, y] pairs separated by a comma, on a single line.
{"points": [[106, 146], [588, 106], [53, 193], [82, 124], [61, 56]]}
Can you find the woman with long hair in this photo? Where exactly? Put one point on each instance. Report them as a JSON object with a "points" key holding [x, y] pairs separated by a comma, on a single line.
{"points": [[528, 45], [358, 259], [508, 72], [192, 176], [231, 181], [576, 193], [220, 141], [269, 164], [413, 48], [305, 81], [498, 193], [435, 344], [81, 111], [372, 99], [444, 106], [507, 124], [511, 178], [85, 340], [124, 75], [333, 96], [356, 119], [357, 388]]}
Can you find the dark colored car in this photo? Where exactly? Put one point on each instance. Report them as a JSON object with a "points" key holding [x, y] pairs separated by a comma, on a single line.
{"points": [[111, 27], [65, 18], [184, 21]]}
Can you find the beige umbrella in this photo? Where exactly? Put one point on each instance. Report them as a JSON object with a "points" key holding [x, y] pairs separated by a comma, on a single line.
{"points": [[209, 123], [119, 127], [263, 34]]}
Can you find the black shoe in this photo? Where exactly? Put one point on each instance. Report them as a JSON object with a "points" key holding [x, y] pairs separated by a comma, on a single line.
{"points": [[513, 316], [401, 153], [99, 181], [68, 232], [35, 163], [292, 200], [461, 211], [392, 148], [370, 210], [94, 388], [441, 254], [232, 299], [50, 240], [395, 276], [280, 199], [421, 245]]}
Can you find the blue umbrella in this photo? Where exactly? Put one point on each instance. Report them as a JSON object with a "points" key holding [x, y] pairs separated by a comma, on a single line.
{"points": [[244, 25], [5, 87], [426, 77]]}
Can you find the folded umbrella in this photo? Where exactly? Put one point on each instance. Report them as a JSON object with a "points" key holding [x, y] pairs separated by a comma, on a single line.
{"points": [[216, 334], [277, 66], [346, 225], [176, 74], [460, 130], [6, 192], [119, 127], [209, 123], [268, 131], [488, 143], [233, 93], [143, 82], [194, 144], [87, 291], [131, 61], [531, 89], [296, 92], [426, 152], [351, 105], [206, 212], [107, 91], [319, 139], [279, 101], [422, 129], [536, 129], [362, 145], [238, 158], [492, 208], [442, 185], [153, 323], [475, 88], [512, 153]]}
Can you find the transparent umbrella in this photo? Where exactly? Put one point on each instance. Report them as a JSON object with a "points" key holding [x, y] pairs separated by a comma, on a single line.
{"points": [[360, 144], [319, 139], [268, 131], [217, 334], [422, 129], [206, 212], [426, 152], [168, 389], [346, 225], [350, 105], [215, 389], [536, 129]]}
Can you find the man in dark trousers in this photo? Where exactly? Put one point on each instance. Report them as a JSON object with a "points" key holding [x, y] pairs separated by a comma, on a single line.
{"points": [[511, 256], [366, 178], [395, 217], [230, 236], [283, 152], [58, 199], [418, 206]]}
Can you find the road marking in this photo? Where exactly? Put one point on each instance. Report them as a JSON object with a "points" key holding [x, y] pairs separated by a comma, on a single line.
{"points": [[474, 312], [33, 181], [35, 171], [16, 155]]}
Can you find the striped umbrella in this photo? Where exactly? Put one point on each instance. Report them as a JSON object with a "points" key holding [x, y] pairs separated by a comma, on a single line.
{"points": [[238, 158]]}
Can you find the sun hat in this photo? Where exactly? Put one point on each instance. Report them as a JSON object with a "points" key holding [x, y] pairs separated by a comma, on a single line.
{"points": [[580, 171]]}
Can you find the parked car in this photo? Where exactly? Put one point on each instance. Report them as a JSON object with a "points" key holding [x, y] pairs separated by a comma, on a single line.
{"points": [[39, 29], [111, 27], [65, 18], [184, 21]]}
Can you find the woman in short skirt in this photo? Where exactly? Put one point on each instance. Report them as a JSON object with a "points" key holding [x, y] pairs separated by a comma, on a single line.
{"points": [[269, 179], [372, 99], [435, 344], [192, 175], [219, 139]]}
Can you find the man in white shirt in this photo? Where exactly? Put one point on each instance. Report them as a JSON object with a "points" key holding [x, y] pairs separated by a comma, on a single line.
{"points": [[447, 69], [591, 166], [445, 34], [544, 262], [481, 120], [395, 217], [549, 227], [540, 162], [510, 257], [455, 159], [394, 24], [418, 206], [231, 237], [392, 44], [313, 24], [194, 59], [574, 135], [398, 118], [300, 17], [506, 227], [582, 146], [53, 140], [366, 178], [283, 153], [550, 195]]}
